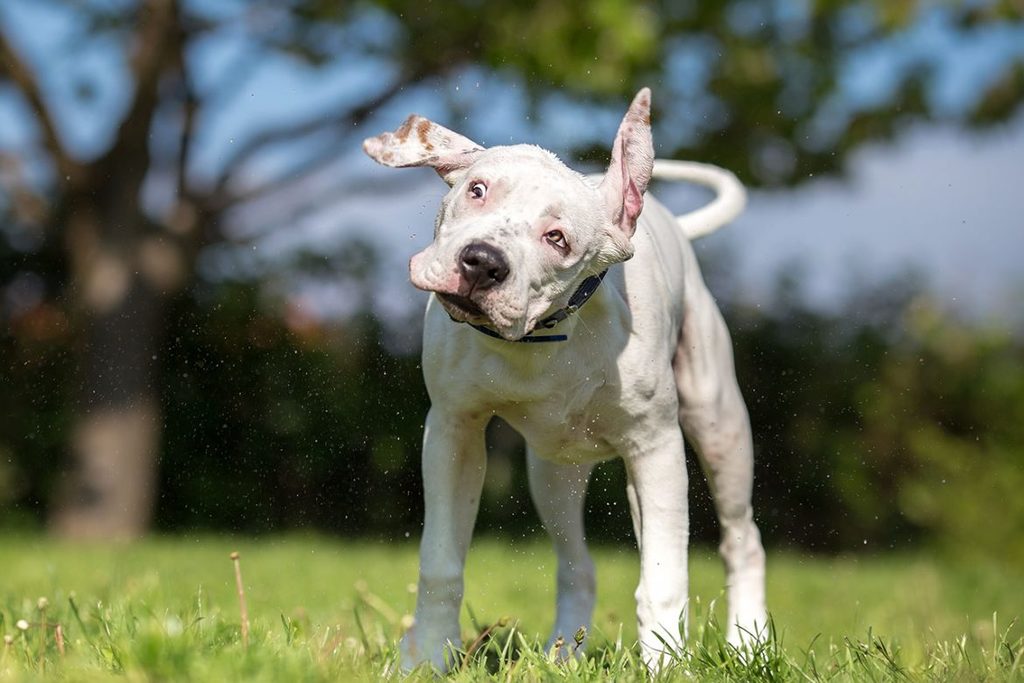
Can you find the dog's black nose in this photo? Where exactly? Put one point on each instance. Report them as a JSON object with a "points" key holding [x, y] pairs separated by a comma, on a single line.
{"points": [[482, 265]]}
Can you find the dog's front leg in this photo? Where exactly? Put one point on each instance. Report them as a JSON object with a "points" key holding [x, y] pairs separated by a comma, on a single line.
{"points": [[658, 486], [453, 474]]}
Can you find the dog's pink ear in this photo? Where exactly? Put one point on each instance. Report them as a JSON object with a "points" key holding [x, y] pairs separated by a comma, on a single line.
{"points": [[421, 142], [632, 160]]}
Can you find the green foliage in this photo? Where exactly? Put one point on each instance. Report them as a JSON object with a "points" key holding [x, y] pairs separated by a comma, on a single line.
{"points": [[269, 427], [944, 416], [34, 400], [166, 609], [757, 87], [592, 47]]}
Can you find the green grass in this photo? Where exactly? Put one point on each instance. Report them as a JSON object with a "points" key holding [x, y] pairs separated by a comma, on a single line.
{"points": [[329, 610]]}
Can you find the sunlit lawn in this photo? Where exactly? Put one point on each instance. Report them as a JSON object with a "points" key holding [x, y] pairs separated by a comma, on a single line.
{"points": [[326, 609]]}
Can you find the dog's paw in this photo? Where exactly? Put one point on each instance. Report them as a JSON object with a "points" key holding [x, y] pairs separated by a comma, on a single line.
{"points": [[746, 631], [436, 647]]}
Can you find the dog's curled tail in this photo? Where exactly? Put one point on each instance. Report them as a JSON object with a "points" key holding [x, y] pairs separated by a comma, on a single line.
{"points": [[726, 206]]}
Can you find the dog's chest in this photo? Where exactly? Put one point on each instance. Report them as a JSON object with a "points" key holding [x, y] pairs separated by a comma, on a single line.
{"points": [[564, 426]]}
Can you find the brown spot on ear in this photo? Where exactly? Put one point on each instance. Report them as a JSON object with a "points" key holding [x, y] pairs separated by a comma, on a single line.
{"points": [[388, 156], [403, 131], [422, 128], [647, 117]]}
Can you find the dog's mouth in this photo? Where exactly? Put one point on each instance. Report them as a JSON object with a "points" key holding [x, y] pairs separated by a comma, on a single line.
{"points": [[463, 309], [463, 304]]}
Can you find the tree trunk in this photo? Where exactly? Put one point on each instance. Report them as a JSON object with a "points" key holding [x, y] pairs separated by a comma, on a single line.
{"points": [[108, 492]]}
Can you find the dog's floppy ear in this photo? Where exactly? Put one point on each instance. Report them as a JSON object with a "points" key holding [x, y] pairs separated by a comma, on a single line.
{"points": [[632, 160], [421, 142]]}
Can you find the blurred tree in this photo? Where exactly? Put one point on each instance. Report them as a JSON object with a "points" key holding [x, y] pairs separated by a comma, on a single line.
{"points": [[941, 436], [110, 232]]}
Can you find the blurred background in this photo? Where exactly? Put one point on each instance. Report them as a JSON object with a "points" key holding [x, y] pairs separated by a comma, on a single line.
{"points": [[206, 317]]}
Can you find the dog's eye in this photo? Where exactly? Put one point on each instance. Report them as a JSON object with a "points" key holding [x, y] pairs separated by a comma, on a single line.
{"points": [[557, 239], [477, 190]]}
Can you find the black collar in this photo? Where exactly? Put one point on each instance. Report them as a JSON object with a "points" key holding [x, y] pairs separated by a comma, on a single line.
{"points": [[578, 298]]}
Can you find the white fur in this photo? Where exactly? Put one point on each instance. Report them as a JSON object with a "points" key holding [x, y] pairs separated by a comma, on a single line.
{"points": [[648, 353]]}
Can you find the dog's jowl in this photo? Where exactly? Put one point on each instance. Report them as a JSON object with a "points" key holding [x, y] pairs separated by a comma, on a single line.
{"points": [[573, 307]]}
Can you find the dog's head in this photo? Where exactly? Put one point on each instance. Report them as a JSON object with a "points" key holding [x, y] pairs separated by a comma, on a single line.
{"points": [[519, 231]]}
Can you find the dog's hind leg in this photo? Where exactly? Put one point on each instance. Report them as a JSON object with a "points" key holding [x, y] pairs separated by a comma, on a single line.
{"points": [[714, 417], [558, 491]]}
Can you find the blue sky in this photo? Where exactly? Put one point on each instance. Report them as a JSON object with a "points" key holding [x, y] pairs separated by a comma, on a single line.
{"points": [[937, 199]]}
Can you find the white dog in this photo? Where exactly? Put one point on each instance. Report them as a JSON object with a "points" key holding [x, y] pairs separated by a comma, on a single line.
{"points": [[521, 243]]}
